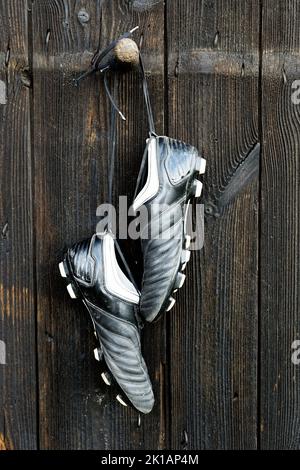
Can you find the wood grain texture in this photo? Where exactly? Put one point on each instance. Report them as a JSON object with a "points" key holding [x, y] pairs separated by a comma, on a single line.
{"points": [[213, 104], [77, 411], [280, 224], [18, 400], [221, 77]]}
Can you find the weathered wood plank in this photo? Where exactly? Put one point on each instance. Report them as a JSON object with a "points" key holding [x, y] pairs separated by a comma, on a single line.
{"points": [[280, 216], [213, 70], [18, 400], [71, 134]]}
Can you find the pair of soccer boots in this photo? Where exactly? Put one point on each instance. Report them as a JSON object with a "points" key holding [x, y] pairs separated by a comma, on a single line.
{"points": [[97, 273]]}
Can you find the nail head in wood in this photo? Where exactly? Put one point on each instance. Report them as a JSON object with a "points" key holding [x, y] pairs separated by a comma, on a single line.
{"points": [[83, 16]]}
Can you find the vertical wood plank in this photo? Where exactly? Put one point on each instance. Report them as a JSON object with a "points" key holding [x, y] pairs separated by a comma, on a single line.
{"points": [[18, 400], [213, 69], [280, 242], [77, 411]]}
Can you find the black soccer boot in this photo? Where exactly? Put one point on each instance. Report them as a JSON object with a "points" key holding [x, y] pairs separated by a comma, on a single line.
{"points": [[167, 182], [95, 276]]}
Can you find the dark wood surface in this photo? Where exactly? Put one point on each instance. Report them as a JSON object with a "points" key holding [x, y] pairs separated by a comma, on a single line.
{"points": [[220, 76], [280, 236], [213, 332], [18, 378]]}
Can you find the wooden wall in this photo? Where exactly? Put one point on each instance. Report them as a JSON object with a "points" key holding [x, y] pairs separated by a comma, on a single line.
{"points": [[221, 76]]}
